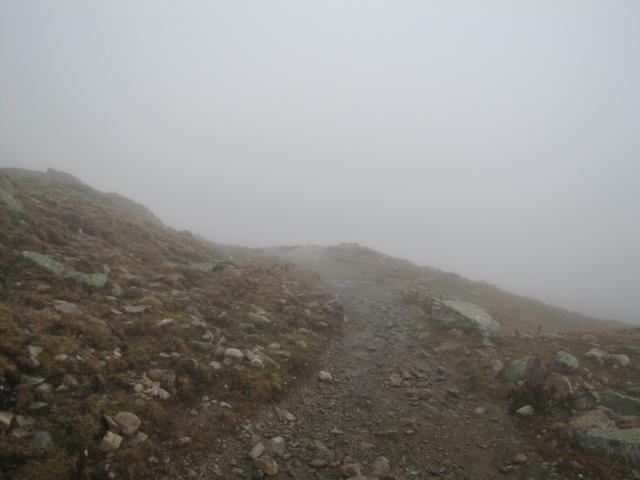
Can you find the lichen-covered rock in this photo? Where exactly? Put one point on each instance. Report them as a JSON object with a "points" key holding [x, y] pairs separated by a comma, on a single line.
{"points": [[619, 443], [566, 363], [97, 280], [621, 403], [596, 418], [7, 197], [45, 261], [604, 358], [467, 316]]}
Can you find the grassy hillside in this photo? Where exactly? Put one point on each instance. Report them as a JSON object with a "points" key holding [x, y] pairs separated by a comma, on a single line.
{"points": [[121, 338]]}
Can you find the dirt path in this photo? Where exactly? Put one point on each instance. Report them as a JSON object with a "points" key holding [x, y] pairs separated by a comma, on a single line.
{"points": [[428, 426]]}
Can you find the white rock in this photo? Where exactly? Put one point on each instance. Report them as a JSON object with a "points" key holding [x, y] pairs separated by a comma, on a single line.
{"points": [[233, 354], [128, 423], [381, 467], [34, 351], [110, 442], [5, 419], [277, 446], [163, 394], [257, 363], [257, 450], [324, 376], [526, 411]]}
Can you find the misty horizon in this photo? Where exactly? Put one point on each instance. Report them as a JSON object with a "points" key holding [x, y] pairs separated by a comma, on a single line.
{"points": [[497, 141]]}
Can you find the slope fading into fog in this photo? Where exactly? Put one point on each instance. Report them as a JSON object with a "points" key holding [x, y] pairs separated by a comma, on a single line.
{"points": [[514, 312], [495, 139]]}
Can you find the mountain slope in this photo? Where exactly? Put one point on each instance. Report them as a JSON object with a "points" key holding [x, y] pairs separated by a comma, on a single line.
{"points": [[121, 338]]}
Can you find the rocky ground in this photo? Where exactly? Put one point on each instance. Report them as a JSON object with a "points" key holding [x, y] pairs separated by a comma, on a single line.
{"points": [[400, 396], [129, 350], [388, 408], [121, 338]]}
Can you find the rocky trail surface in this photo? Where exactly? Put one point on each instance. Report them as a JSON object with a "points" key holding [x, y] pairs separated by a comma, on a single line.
{"points": [[380, 405]]}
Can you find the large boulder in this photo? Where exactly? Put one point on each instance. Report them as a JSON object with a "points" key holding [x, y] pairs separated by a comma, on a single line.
{"points": [[604, 358], [466, 316], [566, 363], [597, 418], [619, 443], [7, 196], [621, 403], [524, 368]]}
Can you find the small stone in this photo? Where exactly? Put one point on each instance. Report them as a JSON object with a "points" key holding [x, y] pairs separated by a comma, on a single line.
{"points": [[277, 446], [68, 308], [257, 450], [5, 420], [318, 463], [454, 392], [284, 415], [267, 465], [526, 411], [165, 376], [25, 422], [233, 355], [325, 377], [163, 394], [140, 437], [110, 442], [381, 467], [182, 441], [128, 423], [351, 470], [34, 351], [395, 380], [520, 459], [257, 363], [37, 405], [135, 309]]}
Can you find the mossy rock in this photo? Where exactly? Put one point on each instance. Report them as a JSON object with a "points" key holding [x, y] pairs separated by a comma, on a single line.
{"points": [[45, 261], [7, 197]]}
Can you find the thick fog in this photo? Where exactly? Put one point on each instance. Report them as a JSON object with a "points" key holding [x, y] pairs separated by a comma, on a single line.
{"points": [[499, 140]]}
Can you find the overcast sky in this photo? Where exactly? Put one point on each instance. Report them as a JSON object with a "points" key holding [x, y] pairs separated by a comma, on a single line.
{"points": [[496, 139]]}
